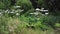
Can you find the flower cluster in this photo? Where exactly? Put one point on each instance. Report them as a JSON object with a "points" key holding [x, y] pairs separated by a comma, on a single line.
{"points": [[40, 11], [11, 12]]}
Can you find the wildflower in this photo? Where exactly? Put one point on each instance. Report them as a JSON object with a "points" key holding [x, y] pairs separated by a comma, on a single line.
{"points": [[17, 14], [36, 13], [6, 10], [31, 13], [0, 13], [42, 8], [20, 10], [37, 9], [46, 13], [11, 12], [17, 6]]}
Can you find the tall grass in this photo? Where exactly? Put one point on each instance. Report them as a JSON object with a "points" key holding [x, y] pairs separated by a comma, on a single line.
{"points": [[9, 25]]}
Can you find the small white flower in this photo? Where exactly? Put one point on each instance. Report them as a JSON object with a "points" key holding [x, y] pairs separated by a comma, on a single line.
{"points": [[45, 10], [20, 10], [17, 6], [37, 9], [11, 12], [17, 14], [31, 13], [42, 8], [6, 10], [36, 13], [46, 13]]}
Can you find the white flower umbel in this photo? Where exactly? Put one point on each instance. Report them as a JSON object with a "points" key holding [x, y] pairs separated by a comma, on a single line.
{"points": [[11, 12], [36, 13], [42, 8], [37, 9], [17, 6], [6, 10], [17, 14], [31, 13], [46, 13], [20, 10]]}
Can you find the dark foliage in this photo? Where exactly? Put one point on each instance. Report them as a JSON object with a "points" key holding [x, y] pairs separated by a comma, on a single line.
{"points": [[13, 2], [53, 6]]}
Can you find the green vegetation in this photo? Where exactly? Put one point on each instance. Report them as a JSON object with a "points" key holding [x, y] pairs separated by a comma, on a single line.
{"points": [[21, 20], [17, 26]]}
